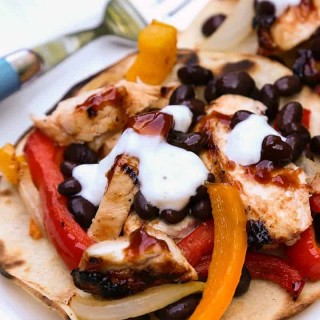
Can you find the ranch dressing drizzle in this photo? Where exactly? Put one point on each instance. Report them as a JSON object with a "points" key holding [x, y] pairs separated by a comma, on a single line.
{"points": [[182, 116], [250, 134], [282, 5], [168, 175]]}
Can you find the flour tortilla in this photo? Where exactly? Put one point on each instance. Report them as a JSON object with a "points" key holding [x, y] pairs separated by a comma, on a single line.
{"points": [[34, 264]]}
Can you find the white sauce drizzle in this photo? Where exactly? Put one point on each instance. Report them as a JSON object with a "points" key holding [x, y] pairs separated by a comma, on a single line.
{"points": [[282, 5], [168, 175], [244, 143], [182, 116]]}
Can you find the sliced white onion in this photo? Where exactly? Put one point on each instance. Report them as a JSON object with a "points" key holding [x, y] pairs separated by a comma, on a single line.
{"points": [[152, 299], [233, 30], [30, 196]]}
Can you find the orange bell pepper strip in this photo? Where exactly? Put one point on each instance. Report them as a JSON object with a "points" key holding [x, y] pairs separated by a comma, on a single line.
{"points": [[230, 244], [9, 163], [157, 54]]}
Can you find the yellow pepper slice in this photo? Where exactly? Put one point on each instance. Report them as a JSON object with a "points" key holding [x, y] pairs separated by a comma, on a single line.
{"points": [[157, 54], [230, 244], [9, 163]]}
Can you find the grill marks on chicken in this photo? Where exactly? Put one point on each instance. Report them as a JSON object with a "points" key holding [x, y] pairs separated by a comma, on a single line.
{"points": [[84, 117], [94, 113], [268, 202], [129, 264], [294, 26], [117, 200]]}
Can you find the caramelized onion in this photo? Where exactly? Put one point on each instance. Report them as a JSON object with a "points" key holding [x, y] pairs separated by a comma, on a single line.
{"points": [[87, 307]]}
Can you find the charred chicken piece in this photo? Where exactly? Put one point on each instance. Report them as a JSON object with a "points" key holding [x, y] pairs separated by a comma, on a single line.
{"points": [[284, 32], [130, 264], [117, 200], [85, 117], [268, 193], [95, 113]]}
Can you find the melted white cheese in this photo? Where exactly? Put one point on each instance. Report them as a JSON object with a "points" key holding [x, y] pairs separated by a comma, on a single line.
{"points": [[244, 142], [182, 116], [168, 175], [282, 5]]}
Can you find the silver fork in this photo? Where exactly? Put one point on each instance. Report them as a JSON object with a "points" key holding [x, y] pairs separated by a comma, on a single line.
{"points": [[122, 18]]}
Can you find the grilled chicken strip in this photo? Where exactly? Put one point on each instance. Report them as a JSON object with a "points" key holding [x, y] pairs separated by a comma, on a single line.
{"points": [[129, 264], [94, 113], [283, 209], [176, 231], [117, 200], [84, 117], [296, 24], [141, 96]]}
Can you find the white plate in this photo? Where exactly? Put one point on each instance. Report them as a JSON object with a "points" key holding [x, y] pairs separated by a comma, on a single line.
{"points": [[17, 29]]}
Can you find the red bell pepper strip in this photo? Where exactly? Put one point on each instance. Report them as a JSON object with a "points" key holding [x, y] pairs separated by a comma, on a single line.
{"points": [[306, 118], [305, 255], [314, 201], [198, 243], [277, 270], [69, 239], [202, 266]]}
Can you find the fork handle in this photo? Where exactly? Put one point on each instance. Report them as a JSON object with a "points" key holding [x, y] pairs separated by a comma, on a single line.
{"points": [[20, 66], [16, 68]]}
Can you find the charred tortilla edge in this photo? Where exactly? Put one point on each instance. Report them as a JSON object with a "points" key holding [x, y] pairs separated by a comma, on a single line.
{"points": [[60, 308]]}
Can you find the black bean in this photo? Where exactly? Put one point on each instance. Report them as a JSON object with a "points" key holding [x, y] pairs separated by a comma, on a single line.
{"points": [[305, 68], [315, 48], [276, 150], [255, 94], [239, 116], [69, 187], [301, 130], [265, 14], [212, 24], [258, 235], [195, 75], [235, 83], [316, 226], [244, 283], [288, 86], [297, 143], [196, 106], [144, 209], [182, 93], [80, 153], [66, 167], [192, 141], [316, 34], [202, 209], [201, 193], [180, 310], [82, 210], [211, 178], [211, 92], [268, 95], [174, 216], [291, 113], [315, 145]]}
